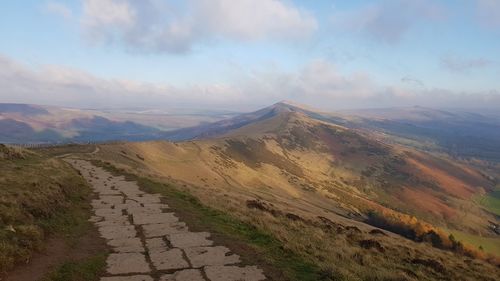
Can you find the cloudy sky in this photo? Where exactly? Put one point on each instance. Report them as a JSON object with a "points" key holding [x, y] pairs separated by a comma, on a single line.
{"points": [[243, 54]]}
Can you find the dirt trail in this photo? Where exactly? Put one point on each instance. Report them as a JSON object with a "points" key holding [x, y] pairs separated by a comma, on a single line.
{"points": [[148, 240]]}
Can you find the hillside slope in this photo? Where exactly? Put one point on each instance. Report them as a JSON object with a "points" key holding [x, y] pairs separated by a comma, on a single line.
{"points": [[293, 164], [461, 133]]}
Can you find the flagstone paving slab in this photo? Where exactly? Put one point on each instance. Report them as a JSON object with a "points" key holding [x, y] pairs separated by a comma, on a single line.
{"points": [[190, 239], [184, 275], [125, 263], [128, 278], [234, 273], [156, 245], [108, 212], [169, 259], [218, 255], [145, 218], [117, 231], [163, 229], [147, 240], [127, 245]]}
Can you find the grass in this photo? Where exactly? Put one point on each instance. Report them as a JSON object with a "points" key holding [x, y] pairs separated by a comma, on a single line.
{"points": [[39, 197], [490, 245], [86, 270], [491, 201], [292, 266], [66, 149], [300, 250]]}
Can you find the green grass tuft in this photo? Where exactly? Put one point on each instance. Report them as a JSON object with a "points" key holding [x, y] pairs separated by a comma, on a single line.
{"points": [[86, 270], [491, 201]]}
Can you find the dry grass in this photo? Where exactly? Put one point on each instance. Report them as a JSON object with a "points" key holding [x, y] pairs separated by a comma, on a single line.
{"points": [[38, 197], [336, 245], [274, 162]]}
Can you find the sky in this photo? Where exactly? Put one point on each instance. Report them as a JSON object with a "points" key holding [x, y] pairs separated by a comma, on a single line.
{"points": [[245, 54]]}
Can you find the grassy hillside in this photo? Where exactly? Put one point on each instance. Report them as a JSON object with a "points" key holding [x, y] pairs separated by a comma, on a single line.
{"points": [[297, 157], [484, 242], [312, 185], [307, 247], [40, 197]]}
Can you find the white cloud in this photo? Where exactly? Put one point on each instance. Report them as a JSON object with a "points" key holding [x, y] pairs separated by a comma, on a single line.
{"points": [[57, 85], [251, 19], [319, 83], [59, 9], [102, 18], [388, 21], [170, 26]]}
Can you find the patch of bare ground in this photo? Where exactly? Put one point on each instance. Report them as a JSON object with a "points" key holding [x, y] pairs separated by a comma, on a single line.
{"points": [[56, 252]]}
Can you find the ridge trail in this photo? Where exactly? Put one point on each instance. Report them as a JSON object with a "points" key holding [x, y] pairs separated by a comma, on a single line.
{"points": [[148, 241]]}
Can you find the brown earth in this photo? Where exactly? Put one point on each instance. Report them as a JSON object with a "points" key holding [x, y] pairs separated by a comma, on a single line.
{"points": [[57, 251]]}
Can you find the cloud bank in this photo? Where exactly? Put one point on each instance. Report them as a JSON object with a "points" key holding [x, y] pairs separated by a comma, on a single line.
{"points": [[180, 26], [387, 21], [318, 83]]}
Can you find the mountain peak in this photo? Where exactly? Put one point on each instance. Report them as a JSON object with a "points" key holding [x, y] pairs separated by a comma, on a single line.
{"points": [[293, 106], [288, 103]]}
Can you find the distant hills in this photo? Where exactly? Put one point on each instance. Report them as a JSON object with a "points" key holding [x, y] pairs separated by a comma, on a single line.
{"points": [[25, 123], [459, 133]]}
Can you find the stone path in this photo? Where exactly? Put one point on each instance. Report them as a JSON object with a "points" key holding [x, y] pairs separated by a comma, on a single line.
{"points": [[148, 241]]}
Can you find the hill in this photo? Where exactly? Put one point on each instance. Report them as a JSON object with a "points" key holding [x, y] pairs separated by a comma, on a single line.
{"points": [[456, 132], [221, 127], [290, 169]]}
